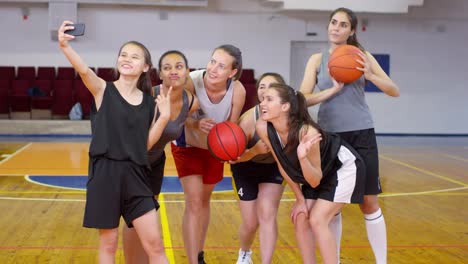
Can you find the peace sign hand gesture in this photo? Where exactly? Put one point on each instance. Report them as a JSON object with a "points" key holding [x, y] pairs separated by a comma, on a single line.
{"points": [[163, 104]]}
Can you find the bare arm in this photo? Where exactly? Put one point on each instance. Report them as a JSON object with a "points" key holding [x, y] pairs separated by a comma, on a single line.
{"points": [[310, 79], [247, 123], [374, 73], [261, 129], [308, 153], [238, 100], [163, 103], [94, 84]]}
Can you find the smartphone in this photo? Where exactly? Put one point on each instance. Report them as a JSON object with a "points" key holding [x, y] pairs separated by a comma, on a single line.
{"points": [[77, 31]]}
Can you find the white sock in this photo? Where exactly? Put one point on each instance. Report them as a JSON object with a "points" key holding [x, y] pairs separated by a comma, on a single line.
{"points": [[377, 235], [336, 228]]}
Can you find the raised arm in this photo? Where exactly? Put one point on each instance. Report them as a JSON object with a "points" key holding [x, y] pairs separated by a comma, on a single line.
{"points": [[163, 103], [94, 84]]}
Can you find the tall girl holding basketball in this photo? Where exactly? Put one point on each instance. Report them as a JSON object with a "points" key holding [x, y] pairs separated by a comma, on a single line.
{"points": [[258, 184], [323, 171], [124, 127], [173, 71], [221, 97], [344, 110]]}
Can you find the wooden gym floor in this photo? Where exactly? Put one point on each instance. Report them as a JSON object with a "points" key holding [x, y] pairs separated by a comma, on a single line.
{"points": [[426, 192]]}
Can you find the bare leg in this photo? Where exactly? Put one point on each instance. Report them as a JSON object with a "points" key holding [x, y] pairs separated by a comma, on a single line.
{"points": [[249, 223], [305, 237], [150, 237], [206, 212], [268, 200], [108, 239], [194, 216], [320, 216]]}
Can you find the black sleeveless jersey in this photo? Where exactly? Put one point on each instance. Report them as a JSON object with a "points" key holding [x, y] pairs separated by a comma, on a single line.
{"points": [[329, 147], [119, 129]]}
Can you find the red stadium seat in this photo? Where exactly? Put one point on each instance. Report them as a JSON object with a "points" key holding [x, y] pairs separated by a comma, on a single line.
{"points": [[84, 97], [62, 99], [26, 73], [7, 73], [45, 73]]}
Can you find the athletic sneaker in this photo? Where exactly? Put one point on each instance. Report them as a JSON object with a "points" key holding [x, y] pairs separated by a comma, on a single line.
{"points": [[244, 257], [201, 257]]}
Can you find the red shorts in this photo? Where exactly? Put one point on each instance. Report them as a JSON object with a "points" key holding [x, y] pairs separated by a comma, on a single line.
{"points": [[197, 161]]}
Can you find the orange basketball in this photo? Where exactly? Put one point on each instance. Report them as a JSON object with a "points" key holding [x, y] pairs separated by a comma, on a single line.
{"points": [[226, 141], [342, 64]]}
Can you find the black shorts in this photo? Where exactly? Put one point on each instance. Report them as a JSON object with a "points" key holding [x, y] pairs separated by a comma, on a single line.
{"points": [[248, 175], [365, 143], [156, 175], [114, 189], [344, 184]]}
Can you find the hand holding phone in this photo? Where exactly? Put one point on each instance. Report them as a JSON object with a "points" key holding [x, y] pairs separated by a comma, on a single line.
{"points": [[77, 31]]}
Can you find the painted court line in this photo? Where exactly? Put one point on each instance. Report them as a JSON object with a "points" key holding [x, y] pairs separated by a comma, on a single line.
{"points": [[49, 185], [166, 233], [424, 171], [163, 201], [456, 157], [15, 153]]}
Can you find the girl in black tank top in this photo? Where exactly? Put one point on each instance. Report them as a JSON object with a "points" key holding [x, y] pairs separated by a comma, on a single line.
{"points": [[329, 173], [123, 129]]}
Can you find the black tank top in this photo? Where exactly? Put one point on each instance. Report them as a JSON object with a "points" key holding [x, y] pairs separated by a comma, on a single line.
{"points": [[329, 147], [119, 129]]}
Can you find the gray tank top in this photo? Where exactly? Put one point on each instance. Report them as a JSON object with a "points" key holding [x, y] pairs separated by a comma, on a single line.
{"points": [[346, 110], [173, 129]]}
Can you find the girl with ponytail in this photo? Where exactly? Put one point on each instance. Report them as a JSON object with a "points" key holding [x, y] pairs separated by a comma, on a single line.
{"points": [[323, 171]]}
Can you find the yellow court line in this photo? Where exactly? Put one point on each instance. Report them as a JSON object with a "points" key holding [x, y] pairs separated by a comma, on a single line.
{"points": [[15, 153], [424, 171], [455, 157], [166, 233]]}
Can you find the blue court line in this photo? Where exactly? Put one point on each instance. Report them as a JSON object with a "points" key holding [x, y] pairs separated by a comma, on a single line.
{"points": [[171, 184]]}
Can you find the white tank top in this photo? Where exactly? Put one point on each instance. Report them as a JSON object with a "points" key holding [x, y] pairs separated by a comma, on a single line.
{"points": [[219, 111]]}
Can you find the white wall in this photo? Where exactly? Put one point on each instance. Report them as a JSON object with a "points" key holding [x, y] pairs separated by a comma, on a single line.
{"points": [[427, 48]]}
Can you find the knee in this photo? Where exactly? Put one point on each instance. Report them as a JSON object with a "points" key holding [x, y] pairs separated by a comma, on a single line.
{"points": [[370, 205], [302, 224], [266, 215], [108, 245], [318, 223], [250, 225], [154, 247], [194, 206]]}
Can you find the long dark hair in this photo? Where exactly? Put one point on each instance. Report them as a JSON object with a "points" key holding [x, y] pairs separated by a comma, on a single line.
{"points": [[236, 54], [144, 81], [352, 40], [298, 113]]}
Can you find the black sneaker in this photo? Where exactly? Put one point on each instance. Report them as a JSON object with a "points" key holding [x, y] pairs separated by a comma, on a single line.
{"points": [[201, 257]]}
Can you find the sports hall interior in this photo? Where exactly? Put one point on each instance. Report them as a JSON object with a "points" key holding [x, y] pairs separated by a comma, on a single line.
{"points": [[422, 135]]}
